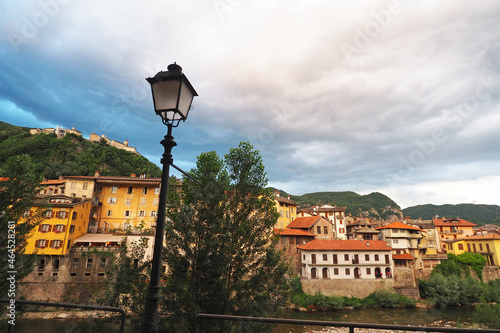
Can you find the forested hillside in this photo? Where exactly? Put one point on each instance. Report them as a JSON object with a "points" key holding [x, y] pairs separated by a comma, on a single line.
{"points": [[374, 205], [480, 214], [71, 155]]}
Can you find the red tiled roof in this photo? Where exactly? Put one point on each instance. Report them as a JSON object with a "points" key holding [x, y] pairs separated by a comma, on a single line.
{"points": [[483, 237], [53, 182], [349, 245], [398, 225], [305, 222], [405, 256], [292, 232], [455, 222]]}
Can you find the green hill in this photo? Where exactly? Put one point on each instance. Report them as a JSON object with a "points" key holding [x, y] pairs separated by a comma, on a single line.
{"points": [[479, 214], [71, 155], [374, 205]]}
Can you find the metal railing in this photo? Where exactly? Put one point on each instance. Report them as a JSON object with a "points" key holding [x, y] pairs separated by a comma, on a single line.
{"points": [[351, 326], [71, 306]]}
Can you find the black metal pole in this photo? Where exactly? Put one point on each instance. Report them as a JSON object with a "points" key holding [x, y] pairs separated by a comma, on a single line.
{"points": [[150, 316]]}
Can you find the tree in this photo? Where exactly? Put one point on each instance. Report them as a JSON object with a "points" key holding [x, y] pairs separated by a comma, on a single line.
{"points": [[220, 248], [126, 284], [18, 187]]}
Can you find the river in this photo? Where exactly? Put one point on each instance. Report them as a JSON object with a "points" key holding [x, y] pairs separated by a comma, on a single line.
{"points": [[412, 317]]}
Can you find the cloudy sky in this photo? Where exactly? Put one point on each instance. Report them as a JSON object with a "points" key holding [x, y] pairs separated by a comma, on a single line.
{"points": [[400, 97]]}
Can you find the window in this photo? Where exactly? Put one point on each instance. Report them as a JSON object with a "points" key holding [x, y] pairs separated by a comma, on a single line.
{"points": [[75, 215], [85, 186], [55, 263], [109, 212], [98, 189], [468, 248], [367, 257], [347, 271], [281, 213], [325, 257], [128, 201], [368, 271], [335, 261], [376, 257], [129, 190], [450, 247], [142, 213], [48, 214], [153, 213], [127, 213], [45, 228], [41, 264], [143, 201], [62, 214], [287, 214], [73, 185], [145, 190], [325, 229], [313, 258], [103, 262], [89, 263], [41, 243], [335, 271], [112, 200], [56, 244], [157, 190], [474, 246], [155, 201], [346, 257], [387, 259], [59, 228], [480, 247], [318, 230], [395, 241], [75, 262], [71, 229], [113, 189]]}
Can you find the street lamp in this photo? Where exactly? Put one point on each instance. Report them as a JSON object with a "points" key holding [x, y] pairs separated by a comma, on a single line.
{"points": [[172, 98]]}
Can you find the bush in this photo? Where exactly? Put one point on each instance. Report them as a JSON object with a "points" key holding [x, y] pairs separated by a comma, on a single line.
{"points": [[384, 299], [488, 315]]}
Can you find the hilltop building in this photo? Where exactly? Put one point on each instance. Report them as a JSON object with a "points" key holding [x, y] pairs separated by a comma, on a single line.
{"points": [[62, 132]]}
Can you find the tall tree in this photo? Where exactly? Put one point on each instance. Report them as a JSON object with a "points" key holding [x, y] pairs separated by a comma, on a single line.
{"points": [[220, 247], [18, 187]]}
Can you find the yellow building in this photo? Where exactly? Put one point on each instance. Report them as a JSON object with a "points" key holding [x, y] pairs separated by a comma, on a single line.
{"points": [[66, 219], [486, 245], [287, 208], [126, 203], [456, 246]]}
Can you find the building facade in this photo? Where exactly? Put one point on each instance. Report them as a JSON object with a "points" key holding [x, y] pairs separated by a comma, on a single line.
{"points": [[287, 209], [346, 259], [451, 229], [334, 214], [66, 219]]}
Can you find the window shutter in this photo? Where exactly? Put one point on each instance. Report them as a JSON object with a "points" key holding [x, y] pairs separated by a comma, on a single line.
{"points": [[50, 228], [64, 228], [40, 228], [51, 243], [37, 242]]}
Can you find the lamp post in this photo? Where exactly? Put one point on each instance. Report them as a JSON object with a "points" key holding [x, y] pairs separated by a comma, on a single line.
{"points": [[172, 98]]}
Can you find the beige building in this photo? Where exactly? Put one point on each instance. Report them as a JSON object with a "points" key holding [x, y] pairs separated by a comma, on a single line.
{"points": [[334, 214]]}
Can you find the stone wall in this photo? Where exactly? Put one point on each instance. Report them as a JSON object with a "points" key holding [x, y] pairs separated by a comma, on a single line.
{"points": [[491, 273], [403, 282], [346, 287]]}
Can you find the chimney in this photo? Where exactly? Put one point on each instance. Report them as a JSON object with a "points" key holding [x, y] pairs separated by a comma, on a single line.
{"points": [[97, 174], [132, 175], [289, 197], [277, 194]]}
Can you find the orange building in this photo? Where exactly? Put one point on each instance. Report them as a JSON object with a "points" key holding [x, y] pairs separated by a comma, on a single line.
{"points": [[66, 219], [451, 229]]}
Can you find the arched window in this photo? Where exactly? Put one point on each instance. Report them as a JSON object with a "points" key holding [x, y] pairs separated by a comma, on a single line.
{"points": [[325, 273], [314, 273], [378, 272], [357, 273], [388, 273]]}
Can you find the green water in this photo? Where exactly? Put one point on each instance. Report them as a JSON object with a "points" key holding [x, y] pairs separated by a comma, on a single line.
{"points": [[412, 317]]}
